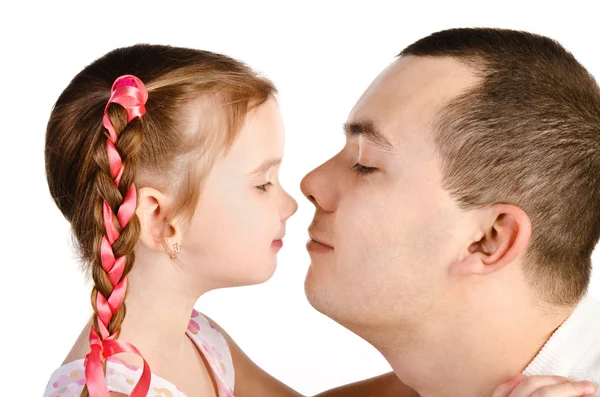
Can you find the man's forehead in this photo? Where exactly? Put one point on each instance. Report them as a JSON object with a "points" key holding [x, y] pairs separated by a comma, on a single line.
{"points": [[411, 90]]}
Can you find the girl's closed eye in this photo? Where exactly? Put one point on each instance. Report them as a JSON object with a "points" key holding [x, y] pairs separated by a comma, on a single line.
{"points": [[265, 187]]}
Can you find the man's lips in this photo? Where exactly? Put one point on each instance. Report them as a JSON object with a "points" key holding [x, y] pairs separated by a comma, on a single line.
{"points": [[317, 244], [316, 240], [316, 236], [316, 247]]}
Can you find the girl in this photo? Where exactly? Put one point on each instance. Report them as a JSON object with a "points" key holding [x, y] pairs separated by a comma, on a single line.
{"points": [[165, 162], [127, 166]]}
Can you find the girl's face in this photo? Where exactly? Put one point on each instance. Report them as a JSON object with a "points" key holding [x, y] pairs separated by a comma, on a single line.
{"points": [[239, 221]]}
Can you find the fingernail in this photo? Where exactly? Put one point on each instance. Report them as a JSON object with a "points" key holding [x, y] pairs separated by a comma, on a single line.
{"points": [[518, 378], [589, 387]]}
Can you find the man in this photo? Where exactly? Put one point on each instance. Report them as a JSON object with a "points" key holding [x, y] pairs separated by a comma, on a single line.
{"points": [[454, 231]]}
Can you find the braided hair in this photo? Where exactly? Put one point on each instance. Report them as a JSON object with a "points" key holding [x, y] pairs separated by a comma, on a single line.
{"points": [[104, 143]]}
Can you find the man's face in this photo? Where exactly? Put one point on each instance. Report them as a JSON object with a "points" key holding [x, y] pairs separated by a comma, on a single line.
{"points": [[393, 230]]}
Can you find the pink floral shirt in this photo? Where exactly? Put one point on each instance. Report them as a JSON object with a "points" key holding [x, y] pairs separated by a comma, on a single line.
{"points": [[68, 380]]}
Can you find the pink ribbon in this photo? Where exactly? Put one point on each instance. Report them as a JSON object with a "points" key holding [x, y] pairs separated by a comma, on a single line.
{"points": [[129, 92], [100, 351]]}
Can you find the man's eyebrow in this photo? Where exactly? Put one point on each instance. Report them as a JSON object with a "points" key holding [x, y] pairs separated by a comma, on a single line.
{"points": [[367, 129], [266, 166]]}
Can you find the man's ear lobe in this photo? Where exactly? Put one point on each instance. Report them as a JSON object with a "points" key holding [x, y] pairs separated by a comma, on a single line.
{"points": [[504, 237]]}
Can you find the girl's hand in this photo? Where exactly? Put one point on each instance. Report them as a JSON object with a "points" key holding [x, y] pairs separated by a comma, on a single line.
{"points": [[544, 386]]}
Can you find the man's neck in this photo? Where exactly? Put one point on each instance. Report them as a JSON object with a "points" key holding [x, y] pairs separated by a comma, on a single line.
{"points": [[467, 353]]}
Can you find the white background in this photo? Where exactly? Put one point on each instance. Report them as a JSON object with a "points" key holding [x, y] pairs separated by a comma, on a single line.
{"points": [[321, 55]]}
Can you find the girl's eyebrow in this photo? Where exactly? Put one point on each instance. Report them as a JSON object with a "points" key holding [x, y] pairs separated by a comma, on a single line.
{"points": [[266, 166]]}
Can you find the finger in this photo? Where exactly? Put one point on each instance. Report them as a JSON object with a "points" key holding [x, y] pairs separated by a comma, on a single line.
{"points": [[571, 389], [528, 386], [505, 388]]}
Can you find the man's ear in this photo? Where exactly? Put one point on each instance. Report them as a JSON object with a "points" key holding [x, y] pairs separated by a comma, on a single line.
{"points": [[504, 234], [152, 211]]}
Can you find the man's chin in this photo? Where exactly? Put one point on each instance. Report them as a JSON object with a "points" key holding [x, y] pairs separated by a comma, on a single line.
{"points": [[337, 306], [323, 300], [315, 292]]}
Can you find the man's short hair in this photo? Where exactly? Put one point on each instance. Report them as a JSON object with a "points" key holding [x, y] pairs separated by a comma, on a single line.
{"points": [[528, 135]]}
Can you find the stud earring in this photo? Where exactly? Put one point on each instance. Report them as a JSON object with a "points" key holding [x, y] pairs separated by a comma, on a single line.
{"points": [[176, 251]]}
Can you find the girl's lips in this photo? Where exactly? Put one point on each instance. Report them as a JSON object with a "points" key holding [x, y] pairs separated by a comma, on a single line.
{"points": [[277, 244]]}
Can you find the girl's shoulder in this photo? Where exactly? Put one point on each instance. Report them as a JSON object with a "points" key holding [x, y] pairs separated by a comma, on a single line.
{"points": [[69, 379]]}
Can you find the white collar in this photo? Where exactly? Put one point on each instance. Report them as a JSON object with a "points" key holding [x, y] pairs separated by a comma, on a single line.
{"points": [[578, 336]]}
